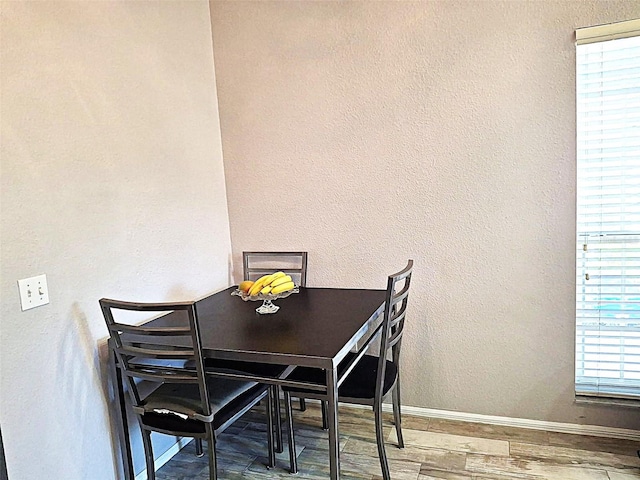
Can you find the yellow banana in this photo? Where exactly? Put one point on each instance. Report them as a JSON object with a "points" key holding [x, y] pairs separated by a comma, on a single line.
{"points": [[284, 287], [271, 278], [265, 290], [278, 275], [263, 278], [281, 280], [257, 286], [268, 279]]}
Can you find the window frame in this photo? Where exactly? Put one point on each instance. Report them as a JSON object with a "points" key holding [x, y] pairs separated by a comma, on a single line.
{"points": [[605, 242]]}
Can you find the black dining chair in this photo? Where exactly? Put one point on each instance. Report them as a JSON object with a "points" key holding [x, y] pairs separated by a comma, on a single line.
{"points": [[256, 264], [372, 377], [187, 401]]}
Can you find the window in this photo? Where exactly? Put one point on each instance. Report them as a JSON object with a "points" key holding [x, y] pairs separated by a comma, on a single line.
{"points": [[608, 211]]}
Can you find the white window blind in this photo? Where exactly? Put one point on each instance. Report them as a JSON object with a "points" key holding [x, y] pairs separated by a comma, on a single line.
{"points": [[608, 211]]}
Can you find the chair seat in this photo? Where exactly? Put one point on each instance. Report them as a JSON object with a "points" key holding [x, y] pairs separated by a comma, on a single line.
{"points": [[361, 382], [184, 399], [163, 421]]}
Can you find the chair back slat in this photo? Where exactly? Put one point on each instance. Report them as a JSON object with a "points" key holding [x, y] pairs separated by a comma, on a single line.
{"points": [[162, 374], [397, 324], [152, 331], [393, 321], [169, 354], [402, 294], [166, 354], [256, 264]]}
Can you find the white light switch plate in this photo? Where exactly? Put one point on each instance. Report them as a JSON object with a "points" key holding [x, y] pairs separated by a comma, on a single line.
{"points": [[33, 292]]}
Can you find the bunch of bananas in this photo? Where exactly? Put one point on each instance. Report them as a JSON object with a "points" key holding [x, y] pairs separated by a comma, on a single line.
{"points": [[269, 284]]}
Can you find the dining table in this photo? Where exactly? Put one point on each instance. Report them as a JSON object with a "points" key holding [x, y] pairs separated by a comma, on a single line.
{"points": [[314, 327]]}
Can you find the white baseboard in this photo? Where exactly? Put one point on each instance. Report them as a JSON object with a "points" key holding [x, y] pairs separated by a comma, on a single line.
{"points": [[165, 457], [593, 430]]}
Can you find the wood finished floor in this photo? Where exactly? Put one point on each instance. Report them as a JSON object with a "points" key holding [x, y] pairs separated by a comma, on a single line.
{"points": [[434, 449]]}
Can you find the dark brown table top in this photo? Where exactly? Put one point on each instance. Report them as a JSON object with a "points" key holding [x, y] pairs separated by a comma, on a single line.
{"points": [[315, 327]]}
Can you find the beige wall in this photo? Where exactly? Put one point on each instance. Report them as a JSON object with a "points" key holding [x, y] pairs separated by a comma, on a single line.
{"points": [[372, 132], [112, 185]]}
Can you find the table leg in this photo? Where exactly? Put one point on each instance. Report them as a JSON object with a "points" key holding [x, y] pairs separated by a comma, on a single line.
{"points": [[277, 417], [332, 410], [121, 417]]}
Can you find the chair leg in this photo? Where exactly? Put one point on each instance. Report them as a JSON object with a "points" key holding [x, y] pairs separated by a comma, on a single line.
{"points": [[269, 412], [277, 418], [325, 415], [303, 405], [293, 461], [384, 464], [199, 450], [148, 454], [397, 415], [213, 461]]}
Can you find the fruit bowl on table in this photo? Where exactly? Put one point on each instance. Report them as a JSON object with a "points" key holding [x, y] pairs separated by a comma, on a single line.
{"points": [[266, 299]]}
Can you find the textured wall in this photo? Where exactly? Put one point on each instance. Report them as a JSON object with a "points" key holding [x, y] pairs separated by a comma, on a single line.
{"points": [[112, 185], [372, 132]]}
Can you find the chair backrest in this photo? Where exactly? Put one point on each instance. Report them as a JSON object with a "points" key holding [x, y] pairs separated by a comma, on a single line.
{"points": [[395, 310], [256, 264], [165, 354]]}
